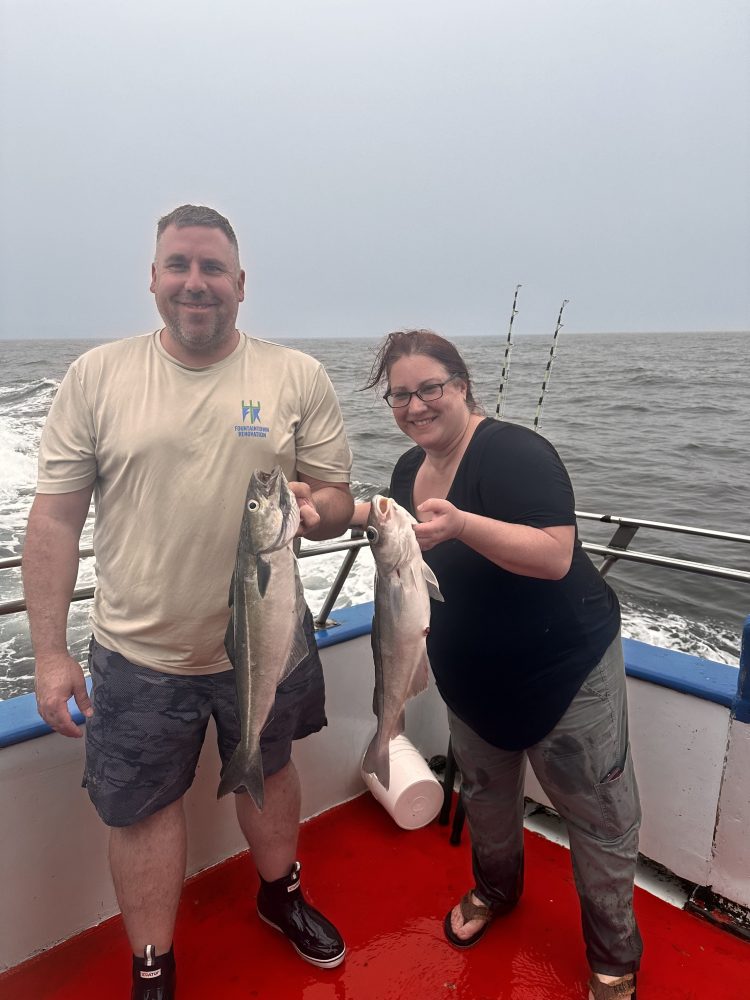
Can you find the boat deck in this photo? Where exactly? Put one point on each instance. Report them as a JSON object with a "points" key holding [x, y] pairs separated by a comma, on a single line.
{"points": [[388, 890]]}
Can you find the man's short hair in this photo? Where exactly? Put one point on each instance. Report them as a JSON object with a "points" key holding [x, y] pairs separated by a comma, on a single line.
{"points": [[197, 215]]}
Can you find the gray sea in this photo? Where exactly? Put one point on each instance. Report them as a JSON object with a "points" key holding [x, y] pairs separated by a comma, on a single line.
{"points": [[650, 426]]}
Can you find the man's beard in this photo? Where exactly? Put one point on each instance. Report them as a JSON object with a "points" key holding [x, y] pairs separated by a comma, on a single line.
{"points": [[204, 340]]}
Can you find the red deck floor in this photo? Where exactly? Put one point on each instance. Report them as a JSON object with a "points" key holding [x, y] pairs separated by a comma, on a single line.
{"points": [[389, 889]]}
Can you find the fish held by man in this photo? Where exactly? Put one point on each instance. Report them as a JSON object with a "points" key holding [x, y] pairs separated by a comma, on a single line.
{"points": [[404, 584], [265, 639]]}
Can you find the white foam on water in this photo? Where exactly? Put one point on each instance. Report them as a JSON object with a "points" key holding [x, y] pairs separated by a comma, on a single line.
{"points": [[318, 573], [22, 413], [672, 631], [17, 459]]}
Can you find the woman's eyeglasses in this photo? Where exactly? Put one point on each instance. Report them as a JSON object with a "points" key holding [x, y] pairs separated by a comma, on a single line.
{"points": [[427, 393]]}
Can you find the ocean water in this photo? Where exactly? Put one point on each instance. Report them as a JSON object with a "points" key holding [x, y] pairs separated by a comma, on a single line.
{"points": [[650, 426]]}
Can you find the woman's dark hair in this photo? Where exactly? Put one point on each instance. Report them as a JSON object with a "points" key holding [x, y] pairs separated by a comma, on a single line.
{"points": [[403, 343]]}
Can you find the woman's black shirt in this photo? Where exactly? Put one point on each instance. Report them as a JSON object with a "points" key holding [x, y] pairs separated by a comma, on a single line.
{"points": [[510, 652]]}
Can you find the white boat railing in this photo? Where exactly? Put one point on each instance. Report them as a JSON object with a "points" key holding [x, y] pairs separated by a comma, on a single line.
{"points": [[616, 549], [626, 530]]}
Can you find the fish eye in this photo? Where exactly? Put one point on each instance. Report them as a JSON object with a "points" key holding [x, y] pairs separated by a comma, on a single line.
{"points": [[252, 506], [372, 534]]}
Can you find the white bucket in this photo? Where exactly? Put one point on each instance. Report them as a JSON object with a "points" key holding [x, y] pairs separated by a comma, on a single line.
{"points": [[415, 795]]}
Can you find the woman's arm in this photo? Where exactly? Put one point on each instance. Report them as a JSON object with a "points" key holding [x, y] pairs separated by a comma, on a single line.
{"points": [[360, 516], [544, 553]]}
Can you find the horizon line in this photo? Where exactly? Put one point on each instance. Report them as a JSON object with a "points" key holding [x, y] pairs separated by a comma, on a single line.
{"points": [[366, 336]]}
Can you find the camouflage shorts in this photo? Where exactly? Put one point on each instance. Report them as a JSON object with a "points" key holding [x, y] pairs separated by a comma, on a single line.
{"points": [[146, 734]]}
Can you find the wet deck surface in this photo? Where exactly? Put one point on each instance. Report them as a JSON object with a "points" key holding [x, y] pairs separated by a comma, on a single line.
{"points": [[388, 890]]}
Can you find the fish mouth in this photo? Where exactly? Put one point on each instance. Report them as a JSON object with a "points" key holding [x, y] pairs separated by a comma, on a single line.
{"points": [[273, 487], [381, 507], [268, 483], [266, 480]]}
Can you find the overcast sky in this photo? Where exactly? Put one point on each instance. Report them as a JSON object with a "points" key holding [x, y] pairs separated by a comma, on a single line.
{"points": [[385, 163]]}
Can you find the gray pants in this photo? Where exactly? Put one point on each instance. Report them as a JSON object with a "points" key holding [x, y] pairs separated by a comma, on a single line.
{"points": [[585, 768]]}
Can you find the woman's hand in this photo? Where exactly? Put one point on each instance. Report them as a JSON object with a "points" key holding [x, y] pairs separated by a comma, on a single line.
{"points": [[441, 522]]}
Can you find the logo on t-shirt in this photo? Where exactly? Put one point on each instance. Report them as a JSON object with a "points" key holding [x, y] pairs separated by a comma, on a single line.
{"points": [[253, 409], [254, 428]]}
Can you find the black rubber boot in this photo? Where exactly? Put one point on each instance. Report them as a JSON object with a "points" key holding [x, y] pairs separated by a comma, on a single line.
{"points": [[282, 905], [154, 975]]}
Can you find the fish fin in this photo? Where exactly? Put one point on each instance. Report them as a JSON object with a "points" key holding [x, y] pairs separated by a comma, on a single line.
{"points": [[244, 772], [400, 725], [378, 761], [263, 574], [377, 695], [300, 647], [229, 639], [374, 638], [420, 679], [397, 602], [300, 651], [433, 588]]}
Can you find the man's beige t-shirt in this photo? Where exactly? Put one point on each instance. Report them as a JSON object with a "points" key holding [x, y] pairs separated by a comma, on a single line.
{"points": [[170, 450]]}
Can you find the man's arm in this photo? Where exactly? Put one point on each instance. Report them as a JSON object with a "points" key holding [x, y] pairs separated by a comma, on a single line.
{"points": [[326, 509], [50, 569]]}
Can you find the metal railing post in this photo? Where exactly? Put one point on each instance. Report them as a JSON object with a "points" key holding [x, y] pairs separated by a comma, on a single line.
{"points": [[321, 619], [620, 540]]}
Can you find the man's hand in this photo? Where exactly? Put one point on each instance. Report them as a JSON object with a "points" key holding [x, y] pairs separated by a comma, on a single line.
{"points": [[58, 677], [325, 508], [50, 567], [309, 518]]}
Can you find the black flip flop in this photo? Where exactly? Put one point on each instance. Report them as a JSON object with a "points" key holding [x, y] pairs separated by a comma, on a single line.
{"points": [[469, 911]]}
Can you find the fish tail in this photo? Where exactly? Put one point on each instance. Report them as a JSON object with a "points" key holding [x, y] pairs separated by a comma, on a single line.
{"points": [[378, 762], [244, 771]]}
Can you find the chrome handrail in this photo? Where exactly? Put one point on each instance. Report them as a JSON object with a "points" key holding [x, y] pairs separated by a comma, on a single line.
{"points": [[708, 569], [626, 530], [11, 562], [727, 536], [617, 549]]}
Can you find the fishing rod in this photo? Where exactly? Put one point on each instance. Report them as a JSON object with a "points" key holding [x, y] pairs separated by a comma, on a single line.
{"points": [[548, 369], [505, 374]]}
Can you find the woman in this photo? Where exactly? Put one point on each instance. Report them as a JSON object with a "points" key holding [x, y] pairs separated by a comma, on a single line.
{"points": [[525, 650]]}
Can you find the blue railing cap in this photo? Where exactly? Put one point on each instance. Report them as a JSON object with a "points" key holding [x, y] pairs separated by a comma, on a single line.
{"points": [[717, 682], [682, 672], [20, 721], [741, 705]]}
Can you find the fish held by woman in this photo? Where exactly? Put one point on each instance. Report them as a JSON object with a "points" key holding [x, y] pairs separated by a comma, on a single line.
{"points": [[265, 639], [404, 584]]}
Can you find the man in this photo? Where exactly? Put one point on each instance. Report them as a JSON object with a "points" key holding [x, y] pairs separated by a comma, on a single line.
{"points": [[164, 430]]}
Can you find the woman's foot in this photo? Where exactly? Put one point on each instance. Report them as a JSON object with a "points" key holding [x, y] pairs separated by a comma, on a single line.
{"points": [[612, 987], [466, 923]]}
